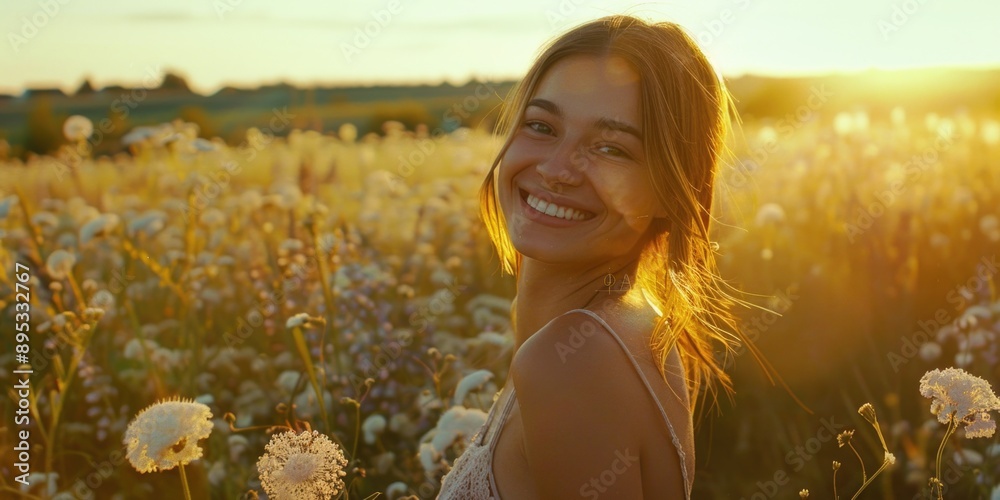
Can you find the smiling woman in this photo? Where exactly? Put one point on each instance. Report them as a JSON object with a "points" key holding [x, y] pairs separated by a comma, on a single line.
{"points": [[612, 144]]}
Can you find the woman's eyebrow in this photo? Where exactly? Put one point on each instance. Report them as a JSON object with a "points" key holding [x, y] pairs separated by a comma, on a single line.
{"points": [[619, 126], [545, 104], [603, 123]]}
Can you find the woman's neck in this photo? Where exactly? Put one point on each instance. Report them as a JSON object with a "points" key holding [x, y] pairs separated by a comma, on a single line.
{"points": [[545, 291]]}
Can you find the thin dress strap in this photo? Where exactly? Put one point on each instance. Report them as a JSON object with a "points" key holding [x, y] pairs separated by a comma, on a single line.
{"points": [[645, 381]]}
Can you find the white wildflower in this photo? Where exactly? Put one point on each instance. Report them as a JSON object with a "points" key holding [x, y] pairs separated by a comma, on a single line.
{"points": [[956, 394], [77, 128], [373, 426], [470, 382], [303, 320], [166, 435], [99, 226], [455, 424], [301, 465], [770, 213], [967, 457], [60, 263], [930, 351], [399, 489]]}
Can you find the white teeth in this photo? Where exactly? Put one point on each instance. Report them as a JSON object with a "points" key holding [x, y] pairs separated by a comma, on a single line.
{"points": [[554, 210]]}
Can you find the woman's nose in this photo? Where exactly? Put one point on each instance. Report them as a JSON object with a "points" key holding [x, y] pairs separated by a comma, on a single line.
{"points": [[563, 166]]}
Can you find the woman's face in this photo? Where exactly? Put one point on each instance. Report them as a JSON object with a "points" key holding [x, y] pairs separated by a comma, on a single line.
{"points": [[573, 185]]}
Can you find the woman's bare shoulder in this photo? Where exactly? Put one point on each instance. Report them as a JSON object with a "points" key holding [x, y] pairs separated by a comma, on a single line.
{"points": [[575, 413]]}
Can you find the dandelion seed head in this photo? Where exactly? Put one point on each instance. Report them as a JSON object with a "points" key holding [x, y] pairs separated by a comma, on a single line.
{"points": [[60, 263], [166, 434], [98, 226], [77, 128]]}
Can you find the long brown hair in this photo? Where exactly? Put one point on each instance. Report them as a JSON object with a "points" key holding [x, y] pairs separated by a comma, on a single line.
{"points": [[686, 114]]}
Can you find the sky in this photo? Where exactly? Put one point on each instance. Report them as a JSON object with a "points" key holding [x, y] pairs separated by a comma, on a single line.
{"points": [[245, 43]]}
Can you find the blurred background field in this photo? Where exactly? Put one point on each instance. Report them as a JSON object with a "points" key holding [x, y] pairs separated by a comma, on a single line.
{"points": [[204, 249], [175, 250]]}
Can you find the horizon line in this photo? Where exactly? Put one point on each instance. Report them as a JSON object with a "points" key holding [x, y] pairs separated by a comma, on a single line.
{"points": [[71, 89]]}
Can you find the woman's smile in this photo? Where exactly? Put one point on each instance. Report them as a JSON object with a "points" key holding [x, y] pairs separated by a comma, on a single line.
{"points": [[555, 213]]}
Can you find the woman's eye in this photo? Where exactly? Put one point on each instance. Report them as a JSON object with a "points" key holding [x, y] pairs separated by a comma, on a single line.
{"points": [[612, 151], [539, 127]]}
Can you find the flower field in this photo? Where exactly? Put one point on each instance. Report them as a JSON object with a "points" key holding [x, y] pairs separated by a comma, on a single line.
{"points": [[345, 285]]}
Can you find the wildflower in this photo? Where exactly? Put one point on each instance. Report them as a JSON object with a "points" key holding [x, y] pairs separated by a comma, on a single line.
{"points": [[967, 457], [890, 458], [7, 204], [956, 394], [868, 411], [770, 213], [399, 489], [844, 438], [303, 320], [373, 426], [804, 494], [77, 128], [98, 226], [166, 434], [302, 465], [348, 132], [60, 263], [930, 351], [474, 380], [457, 423], [836, 465]]}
